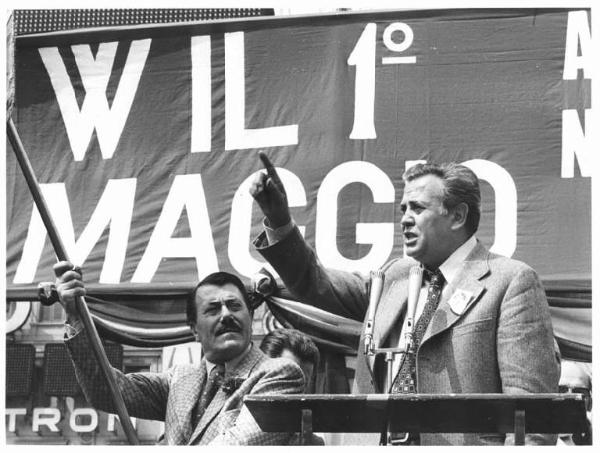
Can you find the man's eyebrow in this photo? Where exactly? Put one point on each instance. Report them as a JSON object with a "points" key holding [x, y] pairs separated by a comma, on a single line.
{"points": [[412, 203], [213, 302], [230, 297], [224, 298]]}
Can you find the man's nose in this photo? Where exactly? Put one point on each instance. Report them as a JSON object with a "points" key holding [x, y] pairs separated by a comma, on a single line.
{"points": [[407, 218], [225, 312]]}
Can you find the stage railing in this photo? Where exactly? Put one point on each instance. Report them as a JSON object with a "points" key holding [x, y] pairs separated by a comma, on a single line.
{"points": [[423, 413]]}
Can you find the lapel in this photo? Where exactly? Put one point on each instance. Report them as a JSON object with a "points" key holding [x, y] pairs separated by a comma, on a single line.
{"points": [[242, 370], [183, 400], [392, 306], [467, 282], [390, 309]]}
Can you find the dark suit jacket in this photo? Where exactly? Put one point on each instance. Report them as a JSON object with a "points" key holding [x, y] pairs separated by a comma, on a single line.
{"points": [[171, 396], [502, 342]]}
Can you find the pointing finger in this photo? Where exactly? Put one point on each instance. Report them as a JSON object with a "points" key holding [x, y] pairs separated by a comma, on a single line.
{"points": [[271, 172], [268, 165]]}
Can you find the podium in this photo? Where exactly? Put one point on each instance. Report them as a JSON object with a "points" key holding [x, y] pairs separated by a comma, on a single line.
{"points": [[423, 413]]}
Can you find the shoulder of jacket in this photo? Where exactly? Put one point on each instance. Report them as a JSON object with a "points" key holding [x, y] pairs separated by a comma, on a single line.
{"points": [[510, 265], [398, 265], [282, 364]]}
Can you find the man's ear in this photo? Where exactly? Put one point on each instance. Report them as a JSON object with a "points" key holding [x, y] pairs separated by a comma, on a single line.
{"points": [[459, 216]]}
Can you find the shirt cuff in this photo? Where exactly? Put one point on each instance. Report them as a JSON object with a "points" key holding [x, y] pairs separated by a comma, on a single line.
{"points": [[275, 235], [71, 331]]}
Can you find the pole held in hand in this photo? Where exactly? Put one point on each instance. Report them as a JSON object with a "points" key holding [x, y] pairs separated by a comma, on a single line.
{"points": [[61, 253]]}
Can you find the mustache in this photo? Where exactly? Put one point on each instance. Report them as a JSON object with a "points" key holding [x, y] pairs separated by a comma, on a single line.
{"points": [[229, 324]]}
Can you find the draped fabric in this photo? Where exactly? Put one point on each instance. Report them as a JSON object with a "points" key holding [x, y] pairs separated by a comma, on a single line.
{"points": [[154, 316]]}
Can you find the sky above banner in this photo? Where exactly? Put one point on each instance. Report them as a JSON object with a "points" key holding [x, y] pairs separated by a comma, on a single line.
{"points": [[146, 139]]}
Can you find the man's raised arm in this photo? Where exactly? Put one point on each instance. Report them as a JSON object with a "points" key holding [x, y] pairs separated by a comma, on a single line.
{"points": [[283, 246]]}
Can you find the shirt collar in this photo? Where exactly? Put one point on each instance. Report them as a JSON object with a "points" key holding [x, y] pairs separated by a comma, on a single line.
{"points": [[454, 262], [231, 364]]}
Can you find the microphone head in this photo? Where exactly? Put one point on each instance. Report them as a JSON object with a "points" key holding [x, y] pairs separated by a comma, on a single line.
{"points": [[377, 279], [377, 274], [415, 272], [415, 278]]}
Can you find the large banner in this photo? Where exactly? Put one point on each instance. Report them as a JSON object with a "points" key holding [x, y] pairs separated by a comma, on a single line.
{"points": [[146, 138]]}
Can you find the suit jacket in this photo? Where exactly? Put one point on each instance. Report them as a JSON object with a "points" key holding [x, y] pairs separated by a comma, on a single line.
{"points": [[170, 396], [501, 342]]}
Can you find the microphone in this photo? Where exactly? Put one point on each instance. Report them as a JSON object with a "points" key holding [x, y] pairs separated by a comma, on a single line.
{"points": [[415, 279], [377, 279]]}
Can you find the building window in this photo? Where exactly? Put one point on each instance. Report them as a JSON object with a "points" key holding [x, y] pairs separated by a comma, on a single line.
{"points": [[54, 314]]}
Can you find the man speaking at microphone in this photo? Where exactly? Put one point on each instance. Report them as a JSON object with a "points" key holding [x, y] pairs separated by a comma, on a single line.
{"points": [[481, 321]]}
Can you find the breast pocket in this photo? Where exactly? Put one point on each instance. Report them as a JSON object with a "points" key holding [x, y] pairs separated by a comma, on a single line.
{"points": [[473, 328]]}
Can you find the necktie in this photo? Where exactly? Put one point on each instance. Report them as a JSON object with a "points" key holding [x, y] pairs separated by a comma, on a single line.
{"points": [[406, 379], [213, 382]]}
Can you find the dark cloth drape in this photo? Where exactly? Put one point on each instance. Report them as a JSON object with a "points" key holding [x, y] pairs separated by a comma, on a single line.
{"points": [[154, 316]]}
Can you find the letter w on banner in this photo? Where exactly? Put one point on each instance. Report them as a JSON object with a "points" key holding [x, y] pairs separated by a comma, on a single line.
{"points": [[95, 112]]}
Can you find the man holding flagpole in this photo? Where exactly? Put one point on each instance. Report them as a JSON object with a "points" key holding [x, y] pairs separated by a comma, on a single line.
{"points": [[200, 404]]}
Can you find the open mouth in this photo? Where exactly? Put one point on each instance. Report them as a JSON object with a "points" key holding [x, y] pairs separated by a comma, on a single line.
{"points": [[409, 237]]}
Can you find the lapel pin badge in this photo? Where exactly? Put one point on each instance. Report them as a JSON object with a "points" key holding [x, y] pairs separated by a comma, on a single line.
{"points": [[459, 301]]}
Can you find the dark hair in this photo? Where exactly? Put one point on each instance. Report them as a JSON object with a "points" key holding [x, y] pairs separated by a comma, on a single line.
{"points": [[301, 345], [460, 186], [216, 279]]}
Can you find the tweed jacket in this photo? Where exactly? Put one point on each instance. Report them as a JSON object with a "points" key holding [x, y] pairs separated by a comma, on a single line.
{"points": [[500, 341], [170, 396]]}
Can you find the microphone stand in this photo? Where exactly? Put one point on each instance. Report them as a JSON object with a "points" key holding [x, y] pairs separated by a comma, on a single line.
{"points": [[414, 287], [390, 354]]}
